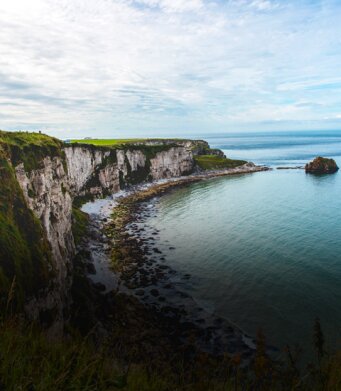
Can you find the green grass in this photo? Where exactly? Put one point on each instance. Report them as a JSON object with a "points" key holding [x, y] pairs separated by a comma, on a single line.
{"points": [[29, 148], [212, 162], [31, 361], [117, 142]]}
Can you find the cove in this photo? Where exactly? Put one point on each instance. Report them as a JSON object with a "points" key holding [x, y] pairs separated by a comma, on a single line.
{"points": [[262, 250]]}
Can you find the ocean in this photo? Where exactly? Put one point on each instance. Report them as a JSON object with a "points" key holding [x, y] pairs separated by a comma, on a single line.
{"points": [[263, 250]]}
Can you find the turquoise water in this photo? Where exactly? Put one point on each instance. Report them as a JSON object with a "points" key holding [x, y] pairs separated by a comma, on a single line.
{"points": [[263, 250]]}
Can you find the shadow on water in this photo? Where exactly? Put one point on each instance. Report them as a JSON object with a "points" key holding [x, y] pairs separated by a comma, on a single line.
{"points": [[322, 179]]}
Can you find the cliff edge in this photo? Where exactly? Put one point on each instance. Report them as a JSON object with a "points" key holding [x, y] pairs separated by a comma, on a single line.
{"points": [[41, 179]]}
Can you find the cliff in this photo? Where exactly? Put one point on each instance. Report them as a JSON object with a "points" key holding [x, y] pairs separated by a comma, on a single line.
{"points": [[41, 179], [98, 171]]}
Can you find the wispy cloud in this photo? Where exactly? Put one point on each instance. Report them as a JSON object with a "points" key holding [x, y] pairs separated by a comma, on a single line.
{"points": [[159, 66]]}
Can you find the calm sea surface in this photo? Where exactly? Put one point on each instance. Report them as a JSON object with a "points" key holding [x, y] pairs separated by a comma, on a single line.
{"points": [[263, 250]]}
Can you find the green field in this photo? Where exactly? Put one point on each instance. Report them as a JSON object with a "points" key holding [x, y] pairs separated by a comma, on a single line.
{"points": [[211, 162], [117, 141]]}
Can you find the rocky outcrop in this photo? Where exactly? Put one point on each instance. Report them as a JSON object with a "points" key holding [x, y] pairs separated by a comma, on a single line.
{"points": [[81, 163], [175, 162], [321, 165], [46, 191], [53, 182], [102, 171]]}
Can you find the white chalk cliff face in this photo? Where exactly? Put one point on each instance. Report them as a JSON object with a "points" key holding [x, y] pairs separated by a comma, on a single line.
{"points": [[81, 164], [46, 193], [50, 189], [98, 172], [175, 162]]}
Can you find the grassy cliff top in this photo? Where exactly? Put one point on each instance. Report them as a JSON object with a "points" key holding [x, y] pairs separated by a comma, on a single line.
{"points": [[213, 162], [112, 142], [24, 139], [29, 147], [127, 141]]}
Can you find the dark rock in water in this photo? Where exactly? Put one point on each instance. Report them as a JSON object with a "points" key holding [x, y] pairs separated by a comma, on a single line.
{"points": [[140, 292], [154, 292], [321, 165], [290, 168], [99, 286], [90, 268]]}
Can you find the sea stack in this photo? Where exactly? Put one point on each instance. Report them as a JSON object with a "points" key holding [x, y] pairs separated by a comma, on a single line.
{"points": [[321, 165]]}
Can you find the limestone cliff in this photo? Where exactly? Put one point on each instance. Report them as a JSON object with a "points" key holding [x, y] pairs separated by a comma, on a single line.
{"points": [[46, 191], [101, 171], [47, 176]]}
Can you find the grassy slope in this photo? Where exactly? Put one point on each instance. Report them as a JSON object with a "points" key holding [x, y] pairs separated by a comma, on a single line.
{"points": [[25, 252], [211, 162], [29, 148], [30, 361]]}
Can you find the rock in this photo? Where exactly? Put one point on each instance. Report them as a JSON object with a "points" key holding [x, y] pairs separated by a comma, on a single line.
{"points": [[99, 286], [321, 165], [154, 292], [90, 268], [290, 168]]}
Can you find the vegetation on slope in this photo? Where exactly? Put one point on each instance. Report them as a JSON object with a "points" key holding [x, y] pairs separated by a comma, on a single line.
{"points": [[30, 361], [29, 148], [213, 162], [79, 224], [25, 253]]}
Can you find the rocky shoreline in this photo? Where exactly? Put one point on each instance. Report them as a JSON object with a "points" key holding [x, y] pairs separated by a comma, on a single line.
{"points": [[125, 258]]}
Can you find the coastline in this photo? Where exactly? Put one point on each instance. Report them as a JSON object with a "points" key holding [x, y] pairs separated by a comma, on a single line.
{"points": [[126, 259]]}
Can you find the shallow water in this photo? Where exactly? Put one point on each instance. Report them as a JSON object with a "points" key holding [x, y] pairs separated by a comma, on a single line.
{"points": [[264, 249]]}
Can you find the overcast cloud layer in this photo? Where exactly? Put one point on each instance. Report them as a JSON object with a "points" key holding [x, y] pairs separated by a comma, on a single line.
{"points": [[163, 67]]}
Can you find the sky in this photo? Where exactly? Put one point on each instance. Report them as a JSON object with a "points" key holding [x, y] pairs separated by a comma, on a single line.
{"points": [[133, 68]]}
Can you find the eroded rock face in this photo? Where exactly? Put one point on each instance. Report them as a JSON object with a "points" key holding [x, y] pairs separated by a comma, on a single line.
{"points": [[176, 161], [321, 165], [49, 192], [100, 172], [81, 163], [46, 191]]}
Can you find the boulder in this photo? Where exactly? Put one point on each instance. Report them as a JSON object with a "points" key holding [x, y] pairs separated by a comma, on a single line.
{"points": [[321, 165]]}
